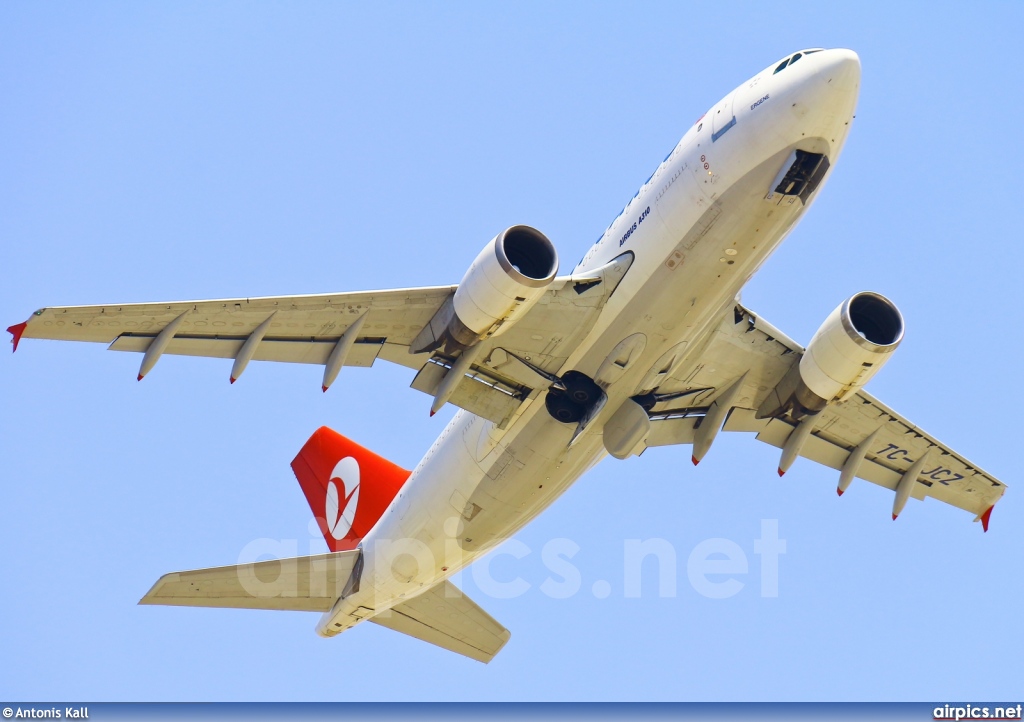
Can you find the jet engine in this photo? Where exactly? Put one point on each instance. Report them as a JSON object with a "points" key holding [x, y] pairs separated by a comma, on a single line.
{"points": [[502, 284], [850, 347]]}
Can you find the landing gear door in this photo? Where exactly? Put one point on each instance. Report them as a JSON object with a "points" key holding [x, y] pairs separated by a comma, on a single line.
{"points": [[799, 177]]}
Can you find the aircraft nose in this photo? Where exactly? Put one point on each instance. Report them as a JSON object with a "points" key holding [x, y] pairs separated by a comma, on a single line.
{"points": [[827, 91], [839, 68]]}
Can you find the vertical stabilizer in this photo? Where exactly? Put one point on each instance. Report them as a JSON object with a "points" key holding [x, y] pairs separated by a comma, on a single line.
{"points": [[347, 487]]}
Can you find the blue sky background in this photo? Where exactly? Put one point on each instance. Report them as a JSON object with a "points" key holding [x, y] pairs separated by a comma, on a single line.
{"points": [[197, 150]]}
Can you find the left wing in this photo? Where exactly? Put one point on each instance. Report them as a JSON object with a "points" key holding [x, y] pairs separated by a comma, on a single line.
{"points": [[335, 330], [860, 437], [301, 329]]}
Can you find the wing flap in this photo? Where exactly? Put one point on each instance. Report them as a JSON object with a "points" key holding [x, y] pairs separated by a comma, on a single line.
{"points": [[478, 393], [444, 616], [671, 431], [777, 432], [308, 351], [305, 584]]}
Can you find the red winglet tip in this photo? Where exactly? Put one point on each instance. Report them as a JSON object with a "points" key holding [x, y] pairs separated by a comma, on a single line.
{"points": [[432, 412], [17, 330], [232, 379], [781, 472], [324, 388], [139, 378], [894, 516], [839, 491], [695, 460], [986, 516]]}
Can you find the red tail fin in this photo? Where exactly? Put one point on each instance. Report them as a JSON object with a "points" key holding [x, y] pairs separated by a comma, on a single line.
{"points": [[347, 487]]}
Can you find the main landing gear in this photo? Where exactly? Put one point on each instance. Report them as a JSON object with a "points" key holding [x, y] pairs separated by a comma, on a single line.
{"points": [[571, 404]]}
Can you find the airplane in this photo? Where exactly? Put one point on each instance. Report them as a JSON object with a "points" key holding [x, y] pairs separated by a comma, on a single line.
{"points": [[644, 344]]}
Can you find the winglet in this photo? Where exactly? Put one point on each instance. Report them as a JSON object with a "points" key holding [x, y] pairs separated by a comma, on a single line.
{"points": [[894, 516], [986, 516], [695, 460], [839, 491], [17, 330], [781, 472]]}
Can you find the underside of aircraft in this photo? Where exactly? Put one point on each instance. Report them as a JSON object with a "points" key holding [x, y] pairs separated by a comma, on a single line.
{"points": [[643, 344]]}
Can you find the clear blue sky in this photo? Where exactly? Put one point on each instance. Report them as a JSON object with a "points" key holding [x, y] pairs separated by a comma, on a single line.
{"points": [[195, 150]]}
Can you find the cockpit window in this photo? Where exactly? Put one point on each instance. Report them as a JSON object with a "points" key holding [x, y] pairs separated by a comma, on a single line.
{"points": [[789, 61]]}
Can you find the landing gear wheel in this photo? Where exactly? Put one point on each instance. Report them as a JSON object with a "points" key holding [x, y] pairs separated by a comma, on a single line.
{"points": [[581, 388], [562, 408]]}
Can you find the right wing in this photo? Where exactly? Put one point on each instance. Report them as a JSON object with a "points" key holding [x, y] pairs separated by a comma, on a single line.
{"points": [[445, 616], [746, 347]]}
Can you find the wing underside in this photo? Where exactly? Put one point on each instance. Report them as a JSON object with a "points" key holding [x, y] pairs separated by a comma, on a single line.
{"points": [[340, 330], [748, 348]]}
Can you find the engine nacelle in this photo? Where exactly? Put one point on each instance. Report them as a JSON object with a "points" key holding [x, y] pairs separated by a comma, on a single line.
{"points": [[505, 280], [850, 347]]}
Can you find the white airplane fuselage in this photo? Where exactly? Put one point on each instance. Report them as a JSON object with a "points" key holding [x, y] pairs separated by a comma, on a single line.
{"points": [[698, 229]]}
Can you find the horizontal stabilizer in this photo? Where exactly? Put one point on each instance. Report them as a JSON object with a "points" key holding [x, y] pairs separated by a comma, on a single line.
{"points": [[444, 616], [303, 584]]}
